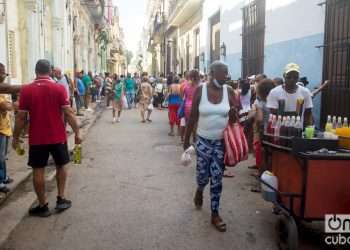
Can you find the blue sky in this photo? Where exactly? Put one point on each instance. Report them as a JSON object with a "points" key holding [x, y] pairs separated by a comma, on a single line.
{"points": [[132, 14]]}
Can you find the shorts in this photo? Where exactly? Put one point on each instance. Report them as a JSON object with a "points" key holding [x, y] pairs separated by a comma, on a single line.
{"points": [[173, 108], [39, 155]]}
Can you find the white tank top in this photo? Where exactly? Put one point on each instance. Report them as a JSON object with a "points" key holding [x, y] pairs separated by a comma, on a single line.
{"points": [[213, 118]]}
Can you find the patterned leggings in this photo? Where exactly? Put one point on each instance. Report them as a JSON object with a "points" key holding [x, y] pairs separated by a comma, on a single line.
{"points": [[210, 165]]}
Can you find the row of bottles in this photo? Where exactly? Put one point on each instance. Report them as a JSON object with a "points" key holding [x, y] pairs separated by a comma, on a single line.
{"points": [[288, 126], [334, 123]]}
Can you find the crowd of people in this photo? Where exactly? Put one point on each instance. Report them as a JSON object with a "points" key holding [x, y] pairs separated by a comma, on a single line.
{"points": [[199, 106]]}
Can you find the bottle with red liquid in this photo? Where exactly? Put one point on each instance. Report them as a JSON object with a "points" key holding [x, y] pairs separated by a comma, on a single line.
{"points": [[283, 130], [277, 129]]}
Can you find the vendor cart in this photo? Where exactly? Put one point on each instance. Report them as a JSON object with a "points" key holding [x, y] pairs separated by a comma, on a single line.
{"points": [[311, 184]]}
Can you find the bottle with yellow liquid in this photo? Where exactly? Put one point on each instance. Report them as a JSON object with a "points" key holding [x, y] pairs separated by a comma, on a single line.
{"points": [[77, 154], [329, 124], [20, 150]]}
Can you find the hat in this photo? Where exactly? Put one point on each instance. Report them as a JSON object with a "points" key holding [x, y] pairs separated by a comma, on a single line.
{"points": [[252, 77], [291, 67]]}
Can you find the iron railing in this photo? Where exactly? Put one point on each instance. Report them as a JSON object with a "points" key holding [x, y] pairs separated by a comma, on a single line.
{"points": [[253, 38], [336, 62]]}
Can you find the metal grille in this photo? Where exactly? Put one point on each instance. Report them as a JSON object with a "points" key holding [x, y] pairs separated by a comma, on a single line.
{"points": [[253, 38], [336, 64]]}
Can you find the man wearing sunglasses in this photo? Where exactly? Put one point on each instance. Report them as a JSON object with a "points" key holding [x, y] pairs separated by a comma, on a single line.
{"points": [[290, 99]]}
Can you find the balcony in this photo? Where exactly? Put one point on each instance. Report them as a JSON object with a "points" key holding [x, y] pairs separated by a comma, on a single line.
{"points": [[182, 10]]}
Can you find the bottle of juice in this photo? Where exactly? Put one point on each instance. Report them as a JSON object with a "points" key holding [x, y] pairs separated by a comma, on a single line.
{"points": [[20, 150], [345, 123], [77, 154], [298, 127], [329, 125], [339, 122]]}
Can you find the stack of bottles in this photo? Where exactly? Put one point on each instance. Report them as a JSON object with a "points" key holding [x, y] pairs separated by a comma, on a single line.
{"points": [[285, 126], [339, 127]]}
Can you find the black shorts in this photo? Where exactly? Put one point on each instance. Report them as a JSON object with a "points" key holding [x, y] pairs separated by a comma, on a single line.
{"points": [[39, 155]]}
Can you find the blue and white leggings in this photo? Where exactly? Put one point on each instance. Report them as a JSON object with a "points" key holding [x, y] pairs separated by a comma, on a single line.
{"points": [[210, 165]]}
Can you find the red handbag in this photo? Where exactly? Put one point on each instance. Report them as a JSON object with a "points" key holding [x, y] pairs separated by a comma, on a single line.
{"points": [[236, 145]]}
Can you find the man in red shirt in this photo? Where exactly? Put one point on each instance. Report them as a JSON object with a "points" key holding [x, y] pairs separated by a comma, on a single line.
{"points": [[46, 103]]}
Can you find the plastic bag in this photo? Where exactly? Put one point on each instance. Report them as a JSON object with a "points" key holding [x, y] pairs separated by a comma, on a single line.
{"points": [[186, 158], [125, 102]]}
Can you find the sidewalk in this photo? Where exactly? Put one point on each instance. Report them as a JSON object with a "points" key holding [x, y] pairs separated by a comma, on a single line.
{"points": [[17, 165]]}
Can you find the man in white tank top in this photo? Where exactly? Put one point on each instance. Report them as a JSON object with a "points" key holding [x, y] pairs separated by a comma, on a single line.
{"points": [[214, 106]]}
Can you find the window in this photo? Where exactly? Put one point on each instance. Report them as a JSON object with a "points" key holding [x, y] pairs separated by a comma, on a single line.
{"points": [[215, 38], [336, 62], [253, 38]]}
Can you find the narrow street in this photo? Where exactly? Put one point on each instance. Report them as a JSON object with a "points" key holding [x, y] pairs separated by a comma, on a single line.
{"points": [[132, 193]]}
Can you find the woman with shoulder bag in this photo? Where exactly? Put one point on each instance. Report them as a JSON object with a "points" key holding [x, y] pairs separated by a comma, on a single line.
{"points": [[214, 106]]}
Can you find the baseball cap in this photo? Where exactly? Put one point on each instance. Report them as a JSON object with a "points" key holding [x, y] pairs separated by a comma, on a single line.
{"points": [[291, 67]]}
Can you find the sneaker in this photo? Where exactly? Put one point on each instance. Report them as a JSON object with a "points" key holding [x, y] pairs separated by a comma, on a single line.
{"points": [[40, 211], [4, 189], [118, 120], [89, 110], [62, 204], [114, 120], [8, 180]]}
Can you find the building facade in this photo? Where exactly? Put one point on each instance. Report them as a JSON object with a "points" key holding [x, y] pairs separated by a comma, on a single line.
{"points": [[262, 36], [66, 32]]}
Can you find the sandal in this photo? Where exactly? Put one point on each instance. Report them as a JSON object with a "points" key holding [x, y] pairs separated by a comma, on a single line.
{"points": [[218, 223], [171, 134], [143, 121], [149, 120], [198, 199], [227, 174]]}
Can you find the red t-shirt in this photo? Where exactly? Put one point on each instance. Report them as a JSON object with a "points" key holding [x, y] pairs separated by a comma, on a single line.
{"points": [[43, 99]]}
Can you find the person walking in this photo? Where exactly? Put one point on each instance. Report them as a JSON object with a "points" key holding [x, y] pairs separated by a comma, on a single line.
{"points": [[108, 89], [130, 86], [46, 103], [174, 100], [214, 106], [118, 89], [79, 93], [87, 80], [146, 100], [5, 133], [188, 91]]}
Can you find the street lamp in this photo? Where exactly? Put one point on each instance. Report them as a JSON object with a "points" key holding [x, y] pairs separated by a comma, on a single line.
{"points": [[223, 50]]}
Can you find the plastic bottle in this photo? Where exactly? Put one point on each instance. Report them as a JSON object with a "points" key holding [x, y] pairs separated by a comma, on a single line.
{"points": [[345, 123], [298, 127], [339, 122], [291, 130], [283, 129], [277, 129], [268, 193], [77, 154], [329, 125], [20, 150], [334, 122], [269, 125]]}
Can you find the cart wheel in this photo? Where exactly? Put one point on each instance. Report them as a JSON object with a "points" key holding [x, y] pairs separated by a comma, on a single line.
{"points": [[287, 232]]}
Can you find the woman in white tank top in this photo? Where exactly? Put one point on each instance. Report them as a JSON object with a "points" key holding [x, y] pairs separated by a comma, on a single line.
{"points": [[214, 105]]}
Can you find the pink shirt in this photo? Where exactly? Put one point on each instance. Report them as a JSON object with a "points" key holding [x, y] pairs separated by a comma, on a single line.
{"points": [[189, 92]]}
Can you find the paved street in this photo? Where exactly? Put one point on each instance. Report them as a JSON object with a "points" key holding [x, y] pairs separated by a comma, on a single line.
{"points": [[132, 193]]}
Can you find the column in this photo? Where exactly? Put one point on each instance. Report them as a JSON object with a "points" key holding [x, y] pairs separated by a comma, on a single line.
{"points": [[32, 37], [57, 32]]}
